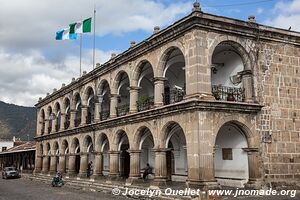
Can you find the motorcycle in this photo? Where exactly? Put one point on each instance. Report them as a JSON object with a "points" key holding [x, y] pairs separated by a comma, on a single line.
{"points": [[57, 181]]}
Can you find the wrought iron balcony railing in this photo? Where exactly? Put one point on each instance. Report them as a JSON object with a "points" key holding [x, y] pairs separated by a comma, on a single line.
{"points": [[49, 129], [224, 93], [122, 110], [77, 122], [104, 114], [67, 124], [145, 103], [173, 96]]}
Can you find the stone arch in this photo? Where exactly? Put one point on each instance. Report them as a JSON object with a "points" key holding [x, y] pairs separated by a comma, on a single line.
{"points": [[174, 141], [65, 147], [163, 138], [242, 50], [233, 141], [55, 147], [118, 139], [101, 86], [138, 136], [76, 106], [100, 140], [47, 147], [116, 81], [236, 79], [74, 145], [66, 109], [88, 91], [243, 125], [87, 143], [164, 57], [136, 71]]}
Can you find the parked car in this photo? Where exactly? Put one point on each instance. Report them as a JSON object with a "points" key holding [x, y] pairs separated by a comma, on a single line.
{"points": [[10, 172]]}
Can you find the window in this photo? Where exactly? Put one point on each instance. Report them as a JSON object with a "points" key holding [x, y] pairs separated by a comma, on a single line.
{"points": [[227, 153], [4, 148]]}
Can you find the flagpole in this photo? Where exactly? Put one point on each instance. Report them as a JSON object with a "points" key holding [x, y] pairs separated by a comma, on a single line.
{"points": [[94, 39], [80, 54]]}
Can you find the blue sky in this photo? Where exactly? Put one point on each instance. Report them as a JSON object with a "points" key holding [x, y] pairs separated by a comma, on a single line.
{"points": [[32, 63]]}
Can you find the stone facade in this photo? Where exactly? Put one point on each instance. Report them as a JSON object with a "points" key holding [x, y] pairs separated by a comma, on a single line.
{"points": [[109, 116]]}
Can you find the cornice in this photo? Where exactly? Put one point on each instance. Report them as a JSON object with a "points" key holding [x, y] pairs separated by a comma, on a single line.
{"points": [[154, 114]]}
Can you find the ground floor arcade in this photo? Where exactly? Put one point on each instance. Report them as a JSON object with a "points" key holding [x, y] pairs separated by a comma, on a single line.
{"points": [[197, 148]]}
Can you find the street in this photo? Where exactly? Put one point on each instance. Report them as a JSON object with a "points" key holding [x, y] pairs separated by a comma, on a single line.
{"points": [[24, 189]]}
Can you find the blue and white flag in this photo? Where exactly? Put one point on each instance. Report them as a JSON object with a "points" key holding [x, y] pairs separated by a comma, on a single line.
{"points": [[65, 35]]}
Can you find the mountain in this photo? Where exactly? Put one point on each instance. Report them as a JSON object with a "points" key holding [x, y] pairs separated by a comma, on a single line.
{"points": [[17, 121]]}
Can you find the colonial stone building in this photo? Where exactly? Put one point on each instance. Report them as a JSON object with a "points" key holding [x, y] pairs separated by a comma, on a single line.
{"points": [[208, 100]]}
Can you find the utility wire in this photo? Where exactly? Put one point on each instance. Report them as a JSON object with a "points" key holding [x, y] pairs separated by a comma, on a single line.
{"points": [[238, 4]]}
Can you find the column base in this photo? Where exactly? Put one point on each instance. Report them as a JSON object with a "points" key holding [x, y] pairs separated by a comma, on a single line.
{"points": [[82, 175], [37, 171], [255, 184], [97, 176], [71, 174], [158, 183], [133, 180], [203, 185]]}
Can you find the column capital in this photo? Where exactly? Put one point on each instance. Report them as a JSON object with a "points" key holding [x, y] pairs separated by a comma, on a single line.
{"points": [[134, 151], [251, 150], [114, 152], [159, 79], [134, 88], [98, 153], [114, 95], [83, 153], [161, 150]]}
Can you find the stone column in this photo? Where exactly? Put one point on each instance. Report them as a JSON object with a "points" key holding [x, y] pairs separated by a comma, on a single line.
{"points": [[62, 163], [113, 105], [159, 83], [71, 166], [46, 126], [160, 177], [255, 175], [83, 165], [134, 94], [62, 121], [98, 165], [72, 118], [38, 164], [248, 85], [53, 164], [54, 123], [98, 108], [135, 171], [114, 163], [84, 113], [45, 164]]}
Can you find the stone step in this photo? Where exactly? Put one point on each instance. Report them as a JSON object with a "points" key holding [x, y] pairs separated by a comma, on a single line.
{"points": [[98, 186]]}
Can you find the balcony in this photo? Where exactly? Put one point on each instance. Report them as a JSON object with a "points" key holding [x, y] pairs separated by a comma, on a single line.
{"points": [[77, 122], [145, 103], [122, 110], [173, 96], [104, 115], [223, 93], [67, 124]]}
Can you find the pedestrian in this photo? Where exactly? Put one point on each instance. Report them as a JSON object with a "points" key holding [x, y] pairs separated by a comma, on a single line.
{"points": [[89, 169], [147, 171]]}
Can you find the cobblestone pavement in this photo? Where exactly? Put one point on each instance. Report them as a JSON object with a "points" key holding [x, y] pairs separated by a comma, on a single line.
{"points": [[24, 189]]}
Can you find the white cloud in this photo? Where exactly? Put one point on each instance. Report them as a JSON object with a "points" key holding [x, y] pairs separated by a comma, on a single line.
{"points": [[286, 14], [32, 63], [26, 78]]}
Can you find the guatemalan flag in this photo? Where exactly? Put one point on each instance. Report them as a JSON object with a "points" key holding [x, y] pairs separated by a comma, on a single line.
{"points": [[65, 35], [70, 33]]}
